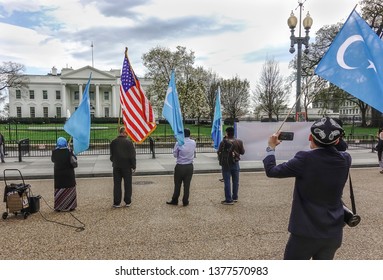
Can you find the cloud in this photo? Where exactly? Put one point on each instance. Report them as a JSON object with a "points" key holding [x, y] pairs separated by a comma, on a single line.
{"points": [[279, 52], [117, 8], [229, 38]]}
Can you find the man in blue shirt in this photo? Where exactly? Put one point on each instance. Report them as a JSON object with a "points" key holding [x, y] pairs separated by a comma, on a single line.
{"points": [[183, 171]]}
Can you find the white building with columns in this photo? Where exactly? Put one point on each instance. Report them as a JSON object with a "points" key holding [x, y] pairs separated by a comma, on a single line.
{"points": [[54, 94]]}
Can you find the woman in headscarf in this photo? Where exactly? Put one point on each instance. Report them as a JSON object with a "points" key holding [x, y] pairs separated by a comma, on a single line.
{"points": [[64, 177]]}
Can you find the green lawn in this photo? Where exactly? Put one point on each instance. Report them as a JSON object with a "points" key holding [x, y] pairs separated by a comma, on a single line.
{"points": [[360, 130], [51, 132]]}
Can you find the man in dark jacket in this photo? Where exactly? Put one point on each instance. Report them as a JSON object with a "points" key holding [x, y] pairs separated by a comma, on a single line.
{"points": [[123, 157], [316, 219], [230, 171]]}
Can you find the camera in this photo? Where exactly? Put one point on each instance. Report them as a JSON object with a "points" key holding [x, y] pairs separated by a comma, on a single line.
{"points": [[287, 136], [351, 219]]}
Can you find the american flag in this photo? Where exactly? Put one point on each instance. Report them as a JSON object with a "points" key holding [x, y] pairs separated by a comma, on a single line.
{"points": [[137, 112]]}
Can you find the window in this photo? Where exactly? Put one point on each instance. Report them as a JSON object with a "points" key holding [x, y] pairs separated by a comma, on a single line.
{"points": [[45, 112], [76, 95], [106, 111], [91, 95], [45, 94], [18, 94], [106, 95], [31, 94], [58, 94], [58, 112], [18, 112], [32, 112]]}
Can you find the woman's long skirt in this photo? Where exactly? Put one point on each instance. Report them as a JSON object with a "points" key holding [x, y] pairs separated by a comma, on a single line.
{"points": [[65, 199]]}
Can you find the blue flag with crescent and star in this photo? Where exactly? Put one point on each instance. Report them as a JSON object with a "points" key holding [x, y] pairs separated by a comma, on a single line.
{"points": [[216, 130], [172, 111], [354, 62]]}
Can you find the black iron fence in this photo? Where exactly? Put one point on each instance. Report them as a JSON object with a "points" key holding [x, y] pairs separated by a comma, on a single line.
{"points": [[361, 141], [151, 146], [39, 141]]}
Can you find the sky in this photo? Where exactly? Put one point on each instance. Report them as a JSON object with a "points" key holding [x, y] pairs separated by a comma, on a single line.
{"points": [[228, 37]]}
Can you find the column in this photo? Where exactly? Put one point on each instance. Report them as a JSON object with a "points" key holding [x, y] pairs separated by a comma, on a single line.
{"points": [[114, 102], [63, 100], [80, 90], [97, 113]]}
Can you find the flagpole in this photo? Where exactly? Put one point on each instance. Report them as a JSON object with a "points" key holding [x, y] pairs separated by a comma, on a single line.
{"points": [[119, 113], [288, 114], [119, 118]]}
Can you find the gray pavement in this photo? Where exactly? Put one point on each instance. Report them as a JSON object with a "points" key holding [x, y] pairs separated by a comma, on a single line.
{"points": [[100, 165], [255, 228]]}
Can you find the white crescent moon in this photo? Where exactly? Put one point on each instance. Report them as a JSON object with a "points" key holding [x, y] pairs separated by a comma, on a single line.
{"points": [[166, 97], [342, 49]]}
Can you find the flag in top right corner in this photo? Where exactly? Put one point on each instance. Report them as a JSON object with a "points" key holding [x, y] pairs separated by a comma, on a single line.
{"points": [[354, 62]]}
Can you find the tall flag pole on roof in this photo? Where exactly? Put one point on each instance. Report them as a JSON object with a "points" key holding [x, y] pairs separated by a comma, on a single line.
{"points": [[137, 113]]}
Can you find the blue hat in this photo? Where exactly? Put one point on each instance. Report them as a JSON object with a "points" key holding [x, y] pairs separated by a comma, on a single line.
{"points": [[61, 142]]}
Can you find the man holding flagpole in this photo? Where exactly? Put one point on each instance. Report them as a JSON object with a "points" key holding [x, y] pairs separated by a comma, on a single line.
{"points": [[184, 148]]}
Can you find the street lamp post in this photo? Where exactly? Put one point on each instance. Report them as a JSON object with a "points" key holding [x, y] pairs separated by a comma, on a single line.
{"points": [[292, 23]]}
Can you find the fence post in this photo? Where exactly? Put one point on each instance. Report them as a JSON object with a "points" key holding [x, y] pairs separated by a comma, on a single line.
{"points": [[152, 147]]}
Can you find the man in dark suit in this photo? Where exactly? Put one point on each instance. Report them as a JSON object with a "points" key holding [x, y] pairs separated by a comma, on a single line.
{"points": [[123, 158], [316, 219]]}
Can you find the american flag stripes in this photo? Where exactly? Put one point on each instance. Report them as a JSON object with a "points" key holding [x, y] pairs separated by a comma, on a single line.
{"points": [[137, 113]]}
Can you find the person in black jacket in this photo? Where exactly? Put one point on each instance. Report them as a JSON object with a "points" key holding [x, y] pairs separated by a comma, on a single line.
{"points": [[65, 197], [317, 215], [123, 158], [2, 149]]}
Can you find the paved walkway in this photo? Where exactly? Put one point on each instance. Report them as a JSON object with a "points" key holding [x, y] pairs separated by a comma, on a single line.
{"points": [[100, 165], [255, 228]]}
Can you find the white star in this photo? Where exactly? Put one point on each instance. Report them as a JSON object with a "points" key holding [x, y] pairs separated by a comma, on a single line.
{"points": [[372, 65]]}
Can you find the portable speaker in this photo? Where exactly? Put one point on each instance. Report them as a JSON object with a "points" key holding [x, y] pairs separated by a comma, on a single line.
{"points": [[34, 204]]}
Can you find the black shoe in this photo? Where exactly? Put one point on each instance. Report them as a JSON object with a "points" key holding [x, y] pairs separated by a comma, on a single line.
{"points": [[224, 202], [185, 203], [171, 202]]}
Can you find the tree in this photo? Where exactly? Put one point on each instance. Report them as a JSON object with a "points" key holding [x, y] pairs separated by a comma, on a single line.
{"points": [[11, 76], [314, 88], [160, 62], [235, 97], [270, 95], [191, 95], [210, 81]]}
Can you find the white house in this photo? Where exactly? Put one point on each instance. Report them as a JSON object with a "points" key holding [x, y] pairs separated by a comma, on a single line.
{"points": [[52, 95]]}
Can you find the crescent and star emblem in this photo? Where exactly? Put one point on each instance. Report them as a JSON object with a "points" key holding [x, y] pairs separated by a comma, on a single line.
{"points": [[169, 91], [342, 49]]}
